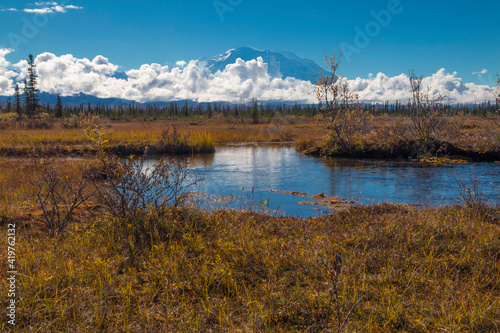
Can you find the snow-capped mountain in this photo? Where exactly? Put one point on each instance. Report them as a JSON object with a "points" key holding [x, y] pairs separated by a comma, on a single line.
{"points": [[281, 64]]}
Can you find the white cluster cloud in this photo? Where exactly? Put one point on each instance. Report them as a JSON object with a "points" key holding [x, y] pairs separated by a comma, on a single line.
{"points": [[241, 81], [480, 73], [3, 61], [43, 8], [382, 88], [67, 75], [6, 75]]}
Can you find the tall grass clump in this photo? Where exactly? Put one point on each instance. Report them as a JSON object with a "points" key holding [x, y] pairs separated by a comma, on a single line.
{"points": [[203, 142], [173, 141]]}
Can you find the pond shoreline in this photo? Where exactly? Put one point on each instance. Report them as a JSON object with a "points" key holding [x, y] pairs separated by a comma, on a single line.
{"points": [[406, 152], [403, 152]]}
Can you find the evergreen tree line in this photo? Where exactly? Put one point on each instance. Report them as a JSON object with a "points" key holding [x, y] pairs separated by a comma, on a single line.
{"points": [[253, 111]]}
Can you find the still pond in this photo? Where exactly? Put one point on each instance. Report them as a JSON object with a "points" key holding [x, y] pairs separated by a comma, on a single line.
{"points": [[259, 177]]}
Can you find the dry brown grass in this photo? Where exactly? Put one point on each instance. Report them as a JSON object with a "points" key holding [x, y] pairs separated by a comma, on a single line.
{"points": [[475, 134], [418, 271], [141, 133]]}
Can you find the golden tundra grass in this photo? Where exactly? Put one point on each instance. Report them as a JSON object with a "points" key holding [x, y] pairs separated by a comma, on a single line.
{"points": [[427, 270], [16, 175], [148, 133], [469, 133]]}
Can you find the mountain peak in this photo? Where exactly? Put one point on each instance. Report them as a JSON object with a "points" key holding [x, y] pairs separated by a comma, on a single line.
{"points": [[281, 63]]}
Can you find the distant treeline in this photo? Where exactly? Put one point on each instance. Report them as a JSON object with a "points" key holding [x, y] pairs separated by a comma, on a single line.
{"points": [[256, 111]]}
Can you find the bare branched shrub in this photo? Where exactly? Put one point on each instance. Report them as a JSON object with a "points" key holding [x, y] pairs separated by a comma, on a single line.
{"points": [[425, 111], [496, 91], [346, 119], [130, 188], [171, 141], [401, 131], [471, 192], [453, 127], [59, 196]]}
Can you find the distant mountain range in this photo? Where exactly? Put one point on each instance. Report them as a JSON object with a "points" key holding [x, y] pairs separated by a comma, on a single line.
{"points": [[84, 99], [281, 64]]}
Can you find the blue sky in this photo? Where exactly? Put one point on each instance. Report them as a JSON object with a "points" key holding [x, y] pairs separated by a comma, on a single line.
{"points": [[426, 35]]}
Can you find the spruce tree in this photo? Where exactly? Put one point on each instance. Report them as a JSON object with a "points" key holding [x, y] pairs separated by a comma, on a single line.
{"points": [[209, 110], [17, 100], [27, 99], [59, 108], [31, 90], [8, 108], [186, 109], [255, 111]]}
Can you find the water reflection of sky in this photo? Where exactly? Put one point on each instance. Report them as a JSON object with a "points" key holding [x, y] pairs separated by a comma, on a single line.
{"points": [[238, 170]]}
